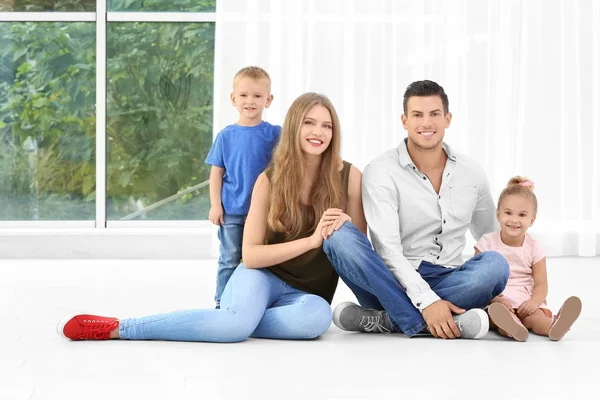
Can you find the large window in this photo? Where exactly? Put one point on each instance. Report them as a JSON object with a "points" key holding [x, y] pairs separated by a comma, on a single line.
{"points": [[141, 95], [159, 117], [47, 121]]}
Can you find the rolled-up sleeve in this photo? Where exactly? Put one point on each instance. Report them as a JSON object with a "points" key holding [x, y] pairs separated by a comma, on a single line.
{"points": [[484, 216], [381, 205]]}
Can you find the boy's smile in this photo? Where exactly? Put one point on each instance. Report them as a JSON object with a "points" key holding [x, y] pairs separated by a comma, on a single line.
{"points": [[251, 97]]}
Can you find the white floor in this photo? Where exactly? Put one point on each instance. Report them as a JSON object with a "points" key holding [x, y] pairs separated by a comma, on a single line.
{"points": [[36, 364]]}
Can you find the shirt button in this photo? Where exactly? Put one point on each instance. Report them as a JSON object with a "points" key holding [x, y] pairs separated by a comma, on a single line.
{"points": [[444, 221], [437, 258], [439, 197], [424, 178]]}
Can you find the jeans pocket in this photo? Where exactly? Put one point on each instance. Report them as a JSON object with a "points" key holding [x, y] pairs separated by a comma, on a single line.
{"points": [[464, 200]]}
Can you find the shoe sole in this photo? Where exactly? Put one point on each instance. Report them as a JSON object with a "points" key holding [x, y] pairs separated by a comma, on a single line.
{"points": [[338, 311], [60, 327], [502, 317], [569, 313]]}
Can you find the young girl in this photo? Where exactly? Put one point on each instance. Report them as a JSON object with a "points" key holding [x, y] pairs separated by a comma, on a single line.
{"points": [[522, 305], [284, 287]]}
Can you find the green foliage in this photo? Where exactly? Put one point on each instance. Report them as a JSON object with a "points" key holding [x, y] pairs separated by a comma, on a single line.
{"points": [[47, 102], [47, 5], [112, 5], [162, 5], [159, 116], [159, 111]]}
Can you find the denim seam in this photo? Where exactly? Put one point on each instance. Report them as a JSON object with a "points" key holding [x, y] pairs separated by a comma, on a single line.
{"points": [[131, 325]]}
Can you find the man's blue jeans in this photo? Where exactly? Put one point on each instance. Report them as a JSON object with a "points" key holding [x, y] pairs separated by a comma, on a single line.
{"points": [[230, 236], [472, 285], [255, 303]]}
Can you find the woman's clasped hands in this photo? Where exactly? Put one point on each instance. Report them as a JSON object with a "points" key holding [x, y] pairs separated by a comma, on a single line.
{"points": [[331, 221]]}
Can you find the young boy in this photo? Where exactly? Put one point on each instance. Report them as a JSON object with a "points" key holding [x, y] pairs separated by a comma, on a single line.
{"points": [[239, 154]]}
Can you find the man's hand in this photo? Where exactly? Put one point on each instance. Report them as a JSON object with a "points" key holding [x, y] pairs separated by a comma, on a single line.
{"points": [[438, 317]]}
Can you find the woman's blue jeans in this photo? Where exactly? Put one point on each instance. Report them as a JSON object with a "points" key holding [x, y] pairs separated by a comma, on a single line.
{"points": [[255, 303]]}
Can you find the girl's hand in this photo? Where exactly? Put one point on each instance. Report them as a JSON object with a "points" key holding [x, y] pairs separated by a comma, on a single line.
{"points": [[329, 218], [527, 308], [504, 301]]}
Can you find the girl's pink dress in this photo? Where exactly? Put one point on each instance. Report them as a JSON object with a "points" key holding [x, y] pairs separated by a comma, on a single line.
{"points": [[521, 260]]}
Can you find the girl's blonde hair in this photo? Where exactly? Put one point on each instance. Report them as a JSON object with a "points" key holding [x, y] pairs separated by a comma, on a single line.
{"points": [[521, 186], [285, 205]]}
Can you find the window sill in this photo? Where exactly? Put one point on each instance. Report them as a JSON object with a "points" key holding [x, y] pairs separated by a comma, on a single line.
{"points": [[128, 243]]}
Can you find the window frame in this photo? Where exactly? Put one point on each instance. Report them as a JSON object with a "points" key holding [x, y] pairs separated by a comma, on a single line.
{"points": [[101, 17]]}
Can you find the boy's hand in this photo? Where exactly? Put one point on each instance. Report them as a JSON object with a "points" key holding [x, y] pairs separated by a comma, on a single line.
{"points": [[215, 215]]}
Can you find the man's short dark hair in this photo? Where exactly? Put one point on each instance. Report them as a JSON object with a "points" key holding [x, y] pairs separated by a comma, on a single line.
{"points": [[422, 89]]}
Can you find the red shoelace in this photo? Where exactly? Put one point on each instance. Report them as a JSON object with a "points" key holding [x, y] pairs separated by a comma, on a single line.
{"points": [[97, 329]]}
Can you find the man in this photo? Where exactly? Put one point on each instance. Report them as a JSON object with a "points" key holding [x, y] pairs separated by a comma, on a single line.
{"points": [[419, 200]]}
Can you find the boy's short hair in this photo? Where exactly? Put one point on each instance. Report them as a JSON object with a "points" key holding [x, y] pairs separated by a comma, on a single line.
{"points": [[255, 73]]}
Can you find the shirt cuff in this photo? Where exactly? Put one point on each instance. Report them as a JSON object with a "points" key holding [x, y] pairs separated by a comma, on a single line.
{"points": [[424, 300]]}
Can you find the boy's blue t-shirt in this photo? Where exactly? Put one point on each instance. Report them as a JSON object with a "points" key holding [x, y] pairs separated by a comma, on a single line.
{"points": [[244, 152]]}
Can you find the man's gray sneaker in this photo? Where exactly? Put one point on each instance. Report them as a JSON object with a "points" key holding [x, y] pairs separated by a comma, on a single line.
{"points": [[473, 324], [352, 317]]}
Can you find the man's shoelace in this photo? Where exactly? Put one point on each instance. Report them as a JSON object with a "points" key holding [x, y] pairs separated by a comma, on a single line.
{"points": [[96, 329], [372, 324], [459, 325]]}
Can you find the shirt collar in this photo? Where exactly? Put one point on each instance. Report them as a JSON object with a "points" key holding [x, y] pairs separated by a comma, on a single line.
{"points": [[405, 157]]}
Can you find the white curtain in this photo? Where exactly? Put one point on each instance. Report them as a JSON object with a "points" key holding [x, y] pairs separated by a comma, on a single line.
{"points": [[523, 79]]}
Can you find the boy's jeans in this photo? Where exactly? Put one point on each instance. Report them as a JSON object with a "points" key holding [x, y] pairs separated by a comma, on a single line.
{"points": [[472, 285], [255, 303], [230, 250]]}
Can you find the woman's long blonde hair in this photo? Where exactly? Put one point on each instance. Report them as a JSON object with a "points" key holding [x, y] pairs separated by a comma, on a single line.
{"points": [[288, 169]]}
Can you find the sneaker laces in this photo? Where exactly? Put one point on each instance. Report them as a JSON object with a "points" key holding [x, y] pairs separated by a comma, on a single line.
{"points": [[372, 324], [98, 329], [459, 325]]}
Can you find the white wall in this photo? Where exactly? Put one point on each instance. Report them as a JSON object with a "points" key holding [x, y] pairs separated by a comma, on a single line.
{"points": [[522, 76], [523, 79]]}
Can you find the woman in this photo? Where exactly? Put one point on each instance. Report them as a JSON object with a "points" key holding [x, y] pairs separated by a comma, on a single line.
{"points": [[284, 287]]}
